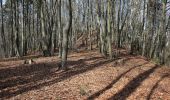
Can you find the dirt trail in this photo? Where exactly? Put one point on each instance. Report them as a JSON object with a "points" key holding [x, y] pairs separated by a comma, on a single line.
{"points": [[90, 76]]}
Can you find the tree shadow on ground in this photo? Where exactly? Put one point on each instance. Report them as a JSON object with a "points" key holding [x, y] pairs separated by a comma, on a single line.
{"points": [[132, 85], [95, 95], [156, 85], [24, 78]]}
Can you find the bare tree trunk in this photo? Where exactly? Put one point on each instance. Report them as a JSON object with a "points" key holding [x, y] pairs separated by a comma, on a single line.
{"points": [[67, 30], [60, 33], [2, 30], [163, 31], [44, 46], [109, 29]]}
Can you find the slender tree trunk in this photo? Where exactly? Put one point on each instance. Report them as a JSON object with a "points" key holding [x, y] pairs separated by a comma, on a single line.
{"points": [[61, 29], [67, 30], [43, 25], [109, 29], [2, 30]]}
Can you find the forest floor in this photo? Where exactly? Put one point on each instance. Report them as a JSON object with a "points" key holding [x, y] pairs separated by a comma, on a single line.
{"points": [[90, 76]]}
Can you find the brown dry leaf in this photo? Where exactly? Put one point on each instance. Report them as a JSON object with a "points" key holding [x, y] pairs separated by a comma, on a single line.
{"points": [[89, 72]]}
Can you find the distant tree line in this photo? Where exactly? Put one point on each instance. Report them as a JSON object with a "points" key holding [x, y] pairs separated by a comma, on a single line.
{"points": [[50, 26]]}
